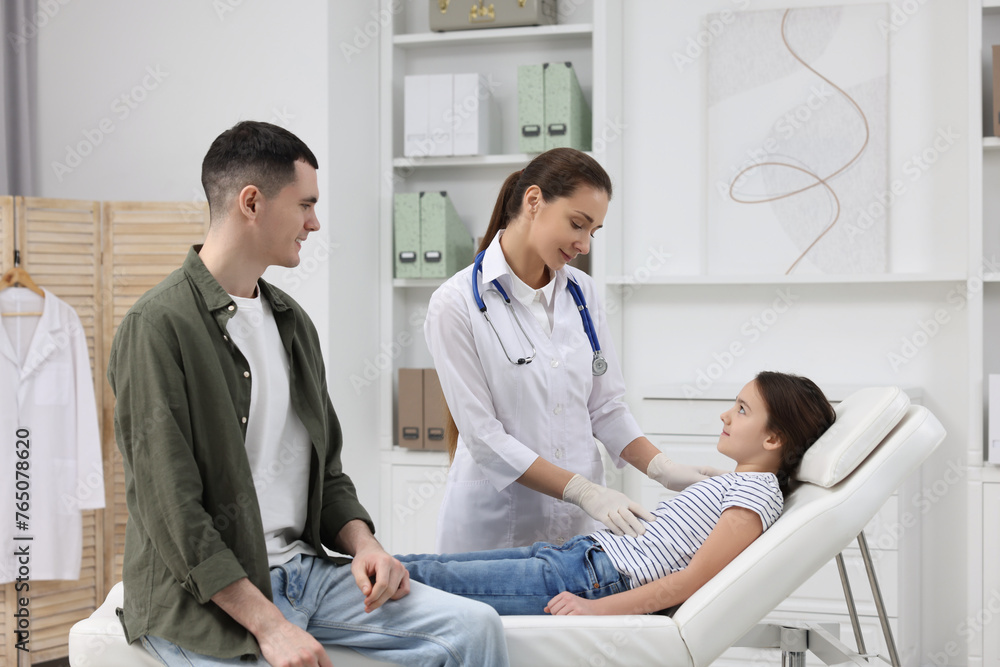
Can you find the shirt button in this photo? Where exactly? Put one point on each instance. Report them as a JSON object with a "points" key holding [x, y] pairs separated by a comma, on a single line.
{"points": [[225, 338], [244, 420], [558, 410], [558, 453], [231, 307], [246, 374], [555, 363]]}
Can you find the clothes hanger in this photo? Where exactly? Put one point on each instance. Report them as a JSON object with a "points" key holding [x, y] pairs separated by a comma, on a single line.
{"points": [[20, 277]]}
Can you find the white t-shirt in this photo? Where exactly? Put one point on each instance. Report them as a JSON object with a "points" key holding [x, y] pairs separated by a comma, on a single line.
{"points": [[683, 523], [277, 442]]}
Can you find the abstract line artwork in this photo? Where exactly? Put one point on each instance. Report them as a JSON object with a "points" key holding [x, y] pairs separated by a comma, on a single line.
{"points": [[797, 142]]}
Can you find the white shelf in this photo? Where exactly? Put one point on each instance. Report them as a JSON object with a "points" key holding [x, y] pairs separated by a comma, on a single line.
{"points": [[510, 160], [811, 279], [417, 282], [991, 7], [494, 36], [991, 143]]}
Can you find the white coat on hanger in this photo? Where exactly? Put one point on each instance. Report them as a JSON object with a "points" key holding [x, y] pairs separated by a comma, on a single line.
{"points": [[46, 387]]}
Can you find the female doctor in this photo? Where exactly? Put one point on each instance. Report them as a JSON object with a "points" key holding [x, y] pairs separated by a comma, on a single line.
{"points": [[521, 346]]}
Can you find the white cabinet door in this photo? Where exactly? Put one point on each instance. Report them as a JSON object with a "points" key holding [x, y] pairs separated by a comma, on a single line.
{"points": [[415, 499], [988, 622]]}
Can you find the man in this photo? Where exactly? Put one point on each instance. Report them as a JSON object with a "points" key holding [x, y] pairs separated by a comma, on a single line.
{"points": [[232, 455]]}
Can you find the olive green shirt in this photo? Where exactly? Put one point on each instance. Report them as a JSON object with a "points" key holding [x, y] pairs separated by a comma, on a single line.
{"points": [[183, 398]]}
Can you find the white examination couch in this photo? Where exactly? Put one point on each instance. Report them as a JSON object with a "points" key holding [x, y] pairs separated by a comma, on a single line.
{"points": [[877, 441]]}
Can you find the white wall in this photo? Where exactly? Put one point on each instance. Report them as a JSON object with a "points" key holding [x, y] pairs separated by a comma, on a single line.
{"points": [[835, 334], [131, 94]]}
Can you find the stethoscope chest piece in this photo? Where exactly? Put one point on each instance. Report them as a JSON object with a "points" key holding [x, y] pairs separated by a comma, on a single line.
{"points": [[600, 365]]}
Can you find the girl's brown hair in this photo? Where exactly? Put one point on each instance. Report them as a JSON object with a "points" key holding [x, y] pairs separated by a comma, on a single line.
{"points": [[797, 414], [557, 173]]}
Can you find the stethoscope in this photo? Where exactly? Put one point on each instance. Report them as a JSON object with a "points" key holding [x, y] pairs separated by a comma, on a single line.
{"points": [[599, 365]]}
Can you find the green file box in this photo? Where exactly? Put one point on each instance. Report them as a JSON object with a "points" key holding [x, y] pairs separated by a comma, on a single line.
{"points": [[445, 244], [531, 108], [406, 234], [567, 115]]}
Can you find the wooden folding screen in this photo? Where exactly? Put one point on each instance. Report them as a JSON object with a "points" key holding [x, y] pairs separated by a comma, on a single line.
{"points": [[59, 243], [143, 243], [100, 259], [7, 638]]}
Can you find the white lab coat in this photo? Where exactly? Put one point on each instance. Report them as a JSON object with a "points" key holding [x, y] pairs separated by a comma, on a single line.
{"points": [[509, 415], [46, 387]]}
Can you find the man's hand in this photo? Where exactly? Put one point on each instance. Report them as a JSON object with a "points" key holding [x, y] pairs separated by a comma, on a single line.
{"points": [[566, 604], [286, 645], [379, 576], [282, 643]]}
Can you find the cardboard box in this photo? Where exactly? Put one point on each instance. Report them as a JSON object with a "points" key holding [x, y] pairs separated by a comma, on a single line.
{"points": [[406, 235], [435, 415], [410, 408], [568, 120], [996, 90]]}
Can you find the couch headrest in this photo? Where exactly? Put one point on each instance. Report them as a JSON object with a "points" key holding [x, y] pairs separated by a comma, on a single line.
{"points": [[863, 419]]}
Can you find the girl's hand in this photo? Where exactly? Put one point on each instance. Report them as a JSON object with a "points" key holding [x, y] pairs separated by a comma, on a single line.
{"points": [[566, 603]]}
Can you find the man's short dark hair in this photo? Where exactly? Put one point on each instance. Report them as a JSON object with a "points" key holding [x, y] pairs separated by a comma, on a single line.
{"points": [[251, 153]]}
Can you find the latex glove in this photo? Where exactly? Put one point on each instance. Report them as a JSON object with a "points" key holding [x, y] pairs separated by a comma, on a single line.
{"points": [[678, 476], [612, 508]]}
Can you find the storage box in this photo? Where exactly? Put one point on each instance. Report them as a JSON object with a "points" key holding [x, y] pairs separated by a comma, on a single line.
{"points": [[567, 114], [996, 91], [531, 108], [445, 243], [410, 408], [435, 415], [476, 122], [449, 15], [406, 235], [415, 139], [993, 425], [440, 107], [428, 108]]}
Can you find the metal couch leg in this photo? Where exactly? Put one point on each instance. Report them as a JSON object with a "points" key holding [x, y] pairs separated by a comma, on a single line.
{"points": [[883, 617]]}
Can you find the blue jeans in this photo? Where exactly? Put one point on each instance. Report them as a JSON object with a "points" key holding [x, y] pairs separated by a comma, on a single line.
{"points": [[427, 627], [522, 580]]}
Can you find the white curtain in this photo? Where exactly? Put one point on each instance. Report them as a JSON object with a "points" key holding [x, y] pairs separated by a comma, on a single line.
{"points": [[19, 25]]}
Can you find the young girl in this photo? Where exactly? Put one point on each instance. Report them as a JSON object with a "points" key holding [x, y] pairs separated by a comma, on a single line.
{"points": [[694, 535]]}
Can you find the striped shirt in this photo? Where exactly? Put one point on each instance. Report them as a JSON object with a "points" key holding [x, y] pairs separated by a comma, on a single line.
{"points": [[683, 523]]}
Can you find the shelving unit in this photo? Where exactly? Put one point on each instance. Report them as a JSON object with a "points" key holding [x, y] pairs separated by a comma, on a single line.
{"points": [[674, 322], [984, 358], [590, 37]]}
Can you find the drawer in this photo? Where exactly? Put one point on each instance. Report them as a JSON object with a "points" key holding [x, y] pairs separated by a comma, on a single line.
{"points": [[679, 416]]}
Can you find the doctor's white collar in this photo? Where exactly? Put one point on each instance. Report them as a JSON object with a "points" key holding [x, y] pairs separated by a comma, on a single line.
{"points": [[495, 266]]}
